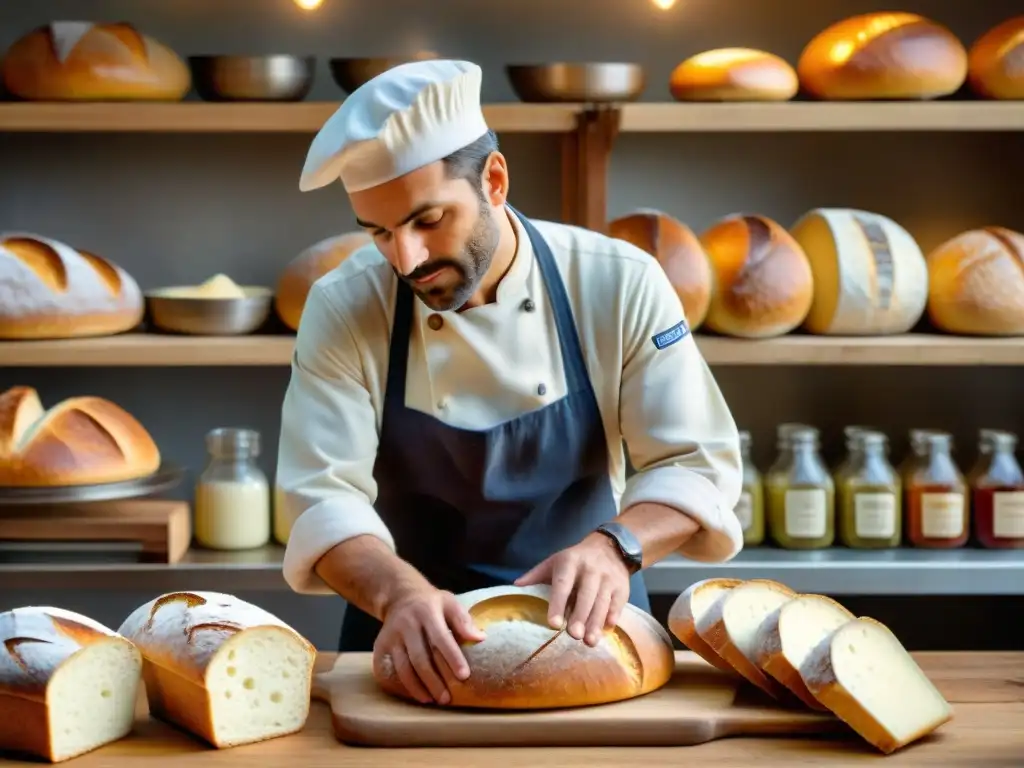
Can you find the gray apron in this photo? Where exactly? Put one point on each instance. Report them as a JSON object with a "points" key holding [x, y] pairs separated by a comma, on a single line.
{"points": [[478, 508]]}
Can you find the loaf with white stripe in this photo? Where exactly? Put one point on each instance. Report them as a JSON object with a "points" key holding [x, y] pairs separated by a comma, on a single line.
{"points": [[870, 276], [223, 669], [68, 684]]}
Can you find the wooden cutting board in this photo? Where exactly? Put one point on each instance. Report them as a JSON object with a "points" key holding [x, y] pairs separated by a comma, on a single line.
{"points": [[699, 703]]}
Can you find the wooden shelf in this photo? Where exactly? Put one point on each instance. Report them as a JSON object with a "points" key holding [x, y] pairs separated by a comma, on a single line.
{"points": [[155, 350], [825, 116], [203, 117]]}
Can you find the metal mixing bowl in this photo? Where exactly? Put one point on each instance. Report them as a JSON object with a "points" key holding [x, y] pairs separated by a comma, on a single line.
{"points": [[597, 82], [280, 77], [349, 74], [209, 317]]}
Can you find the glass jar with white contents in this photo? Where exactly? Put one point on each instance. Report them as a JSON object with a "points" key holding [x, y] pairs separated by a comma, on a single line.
{"points": [[232, 505]]}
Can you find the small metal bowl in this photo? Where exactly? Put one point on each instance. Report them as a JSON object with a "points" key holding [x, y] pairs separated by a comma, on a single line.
{"points": [[350, 74], [597, 82], [278, 77], [209, 317]]}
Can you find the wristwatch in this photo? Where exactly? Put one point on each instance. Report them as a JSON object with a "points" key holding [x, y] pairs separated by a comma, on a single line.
{"points": [[628, 544]]}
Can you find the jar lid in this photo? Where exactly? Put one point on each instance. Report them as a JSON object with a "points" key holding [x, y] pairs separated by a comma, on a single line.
{"points": [[232, 441], [996, 438]]}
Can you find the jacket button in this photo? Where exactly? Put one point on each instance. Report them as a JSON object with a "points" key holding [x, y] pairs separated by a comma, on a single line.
{"points": [[435, 322], [542, 390], [528, 305]]}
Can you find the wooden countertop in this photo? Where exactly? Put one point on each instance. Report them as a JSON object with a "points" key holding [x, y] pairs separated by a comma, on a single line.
{"points": [[986, 690]]}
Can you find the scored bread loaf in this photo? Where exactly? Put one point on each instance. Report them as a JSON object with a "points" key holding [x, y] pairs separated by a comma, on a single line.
{"points": [[68, 684], [222, 669], [730, 627], [309, 266], [976, 283], [763, 285], [50, 290], [865, 677], [631, 659], [79, 441], [870, 277], [788, 635], [690, 608], [734, 74], [883, 55], [85, 61], [995, 63], [679, 253]]}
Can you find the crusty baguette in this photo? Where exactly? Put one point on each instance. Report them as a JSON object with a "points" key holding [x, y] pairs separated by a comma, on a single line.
{"points": [[68, 684], [789, 634], [80, 441], [865, 676], [687, 611], [632, 659], [223, 669], [82, 61], [49, 289]]}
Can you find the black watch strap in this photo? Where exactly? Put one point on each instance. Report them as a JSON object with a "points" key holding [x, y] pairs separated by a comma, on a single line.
{"points": [[628, 544]]}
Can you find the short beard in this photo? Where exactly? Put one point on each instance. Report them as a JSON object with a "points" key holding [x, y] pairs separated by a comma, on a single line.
{"points": [[471, 265]]}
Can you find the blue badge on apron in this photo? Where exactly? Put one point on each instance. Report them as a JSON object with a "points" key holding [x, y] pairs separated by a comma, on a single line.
{"points": [[677, 332]]}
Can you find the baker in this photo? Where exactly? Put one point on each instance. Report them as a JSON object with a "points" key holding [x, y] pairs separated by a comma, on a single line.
{"points": [[461, 390]]}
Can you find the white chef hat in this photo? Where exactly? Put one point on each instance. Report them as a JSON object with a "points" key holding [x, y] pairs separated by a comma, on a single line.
{"points": [[403, 119]]}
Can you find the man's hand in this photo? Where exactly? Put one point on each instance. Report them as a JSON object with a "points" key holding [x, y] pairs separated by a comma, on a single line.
{"points": [[591, 573], [421, 630]]}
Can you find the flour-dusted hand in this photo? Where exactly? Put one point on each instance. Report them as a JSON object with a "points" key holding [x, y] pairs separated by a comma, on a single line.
{"points": [[422, 630], [589, 580]]}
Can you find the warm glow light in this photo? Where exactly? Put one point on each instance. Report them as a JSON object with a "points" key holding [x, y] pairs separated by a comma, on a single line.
{"points": [[308, 5], [664, 5]]}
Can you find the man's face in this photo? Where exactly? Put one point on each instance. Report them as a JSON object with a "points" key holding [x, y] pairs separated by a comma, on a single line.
{"points": [[438, 233]]}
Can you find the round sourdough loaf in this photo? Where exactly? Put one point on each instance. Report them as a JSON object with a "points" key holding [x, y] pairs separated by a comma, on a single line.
{"points": [[83, 61], [883, 55], [995, 63], [309, 266], [679, 253], [734, 74], [632, 659]]}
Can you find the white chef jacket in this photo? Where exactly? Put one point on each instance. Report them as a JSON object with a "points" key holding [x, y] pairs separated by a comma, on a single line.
{"points": [[492, 363]]}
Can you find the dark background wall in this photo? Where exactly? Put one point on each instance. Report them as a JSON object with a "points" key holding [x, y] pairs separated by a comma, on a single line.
{"points": [[178, 208]]}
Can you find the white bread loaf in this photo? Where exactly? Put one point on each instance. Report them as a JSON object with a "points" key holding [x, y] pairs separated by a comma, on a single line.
{"points": [[79, 441], [631, 659], [309, 266], [788, 635], [679, 253], [84, 61], [883, 55], [995, 63], [870, 277], [763, 285], [68, 684], [221, 668], [976, 283], [730, 627], [865, 676], [690, 608], [734, 74], [50, 290]]}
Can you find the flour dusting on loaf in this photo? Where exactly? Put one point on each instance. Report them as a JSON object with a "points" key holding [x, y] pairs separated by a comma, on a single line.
{"points": [[221, 668], [68, 684]]}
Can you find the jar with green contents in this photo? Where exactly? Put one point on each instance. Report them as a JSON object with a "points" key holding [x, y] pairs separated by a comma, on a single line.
{"points": [[784, 457], [750, 508], [852, 447], [870, 503], [800, 494]]}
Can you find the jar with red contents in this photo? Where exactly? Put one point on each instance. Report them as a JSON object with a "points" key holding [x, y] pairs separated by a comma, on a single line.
{"points": [[997, 492], [938, 503]]}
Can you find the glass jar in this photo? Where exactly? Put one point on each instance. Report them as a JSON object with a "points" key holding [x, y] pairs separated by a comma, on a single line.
{"points": [[801, 494], [868, 496], [997, 492], [916, 453], [282, 520], [232, 494], [937, 512], [750, 508], [852, 448]]}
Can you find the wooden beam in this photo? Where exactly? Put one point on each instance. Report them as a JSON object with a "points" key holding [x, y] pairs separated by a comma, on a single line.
{"points": [[586, 154]]}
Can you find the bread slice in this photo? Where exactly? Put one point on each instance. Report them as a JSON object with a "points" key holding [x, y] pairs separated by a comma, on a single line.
{"points": [[730, 626], [688, 610], [790, 633], [865, 676], [68, 684], [221, 668]]}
